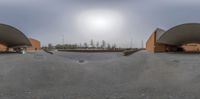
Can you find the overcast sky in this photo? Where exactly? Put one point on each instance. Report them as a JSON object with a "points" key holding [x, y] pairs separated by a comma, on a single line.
{"points": [[50, 20]]}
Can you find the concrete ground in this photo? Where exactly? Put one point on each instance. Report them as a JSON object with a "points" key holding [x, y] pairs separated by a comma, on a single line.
{"points": [[62, 75]]}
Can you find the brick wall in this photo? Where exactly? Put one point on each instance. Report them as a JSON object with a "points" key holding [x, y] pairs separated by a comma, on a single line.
{"points": [[152, 46], [191, 47], [2, 46], [35, 45]]}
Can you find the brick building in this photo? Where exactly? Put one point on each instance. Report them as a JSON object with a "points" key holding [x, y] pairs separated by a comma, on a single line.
{"points": [[35, 45], [12, 39], [185, 37]]}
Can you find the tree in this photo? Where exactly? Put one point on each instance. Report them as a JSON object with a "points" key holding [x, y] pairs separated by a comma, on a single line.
{"points": [[85, 45], [92, 43], [58, 46], [97, 44], [114, 46], [103, 45], [75, 46], [108, 46]]}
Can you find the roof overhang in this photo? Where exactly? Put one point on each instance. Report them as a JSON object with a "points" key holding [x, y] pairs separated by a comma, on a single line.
{"points": [[13, 37], [181, 34]]}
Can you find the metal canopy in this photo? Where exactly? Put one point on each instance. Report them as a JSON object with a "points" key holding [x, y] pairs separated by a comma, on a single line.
{"points": [[12, 37], [181, 34]]}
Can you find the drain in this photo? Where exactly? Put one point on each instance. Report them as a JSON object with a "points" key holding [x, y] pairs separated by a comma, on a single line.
{"points": [[176, 61], [81, 61]]}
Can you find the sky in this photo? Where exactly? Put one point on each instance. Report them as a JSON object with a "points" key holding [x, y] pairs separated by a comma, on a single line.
{"points": [[79, 21]]}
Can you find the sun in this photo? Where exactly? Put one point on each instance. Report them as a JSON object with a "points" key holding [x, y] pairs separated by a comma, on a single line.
{"points": [[99, 21]]}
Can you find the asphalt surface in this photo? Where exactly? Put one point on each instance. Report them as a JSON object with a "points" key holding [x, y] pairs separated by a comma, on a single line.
{"points": [[62, 75]]}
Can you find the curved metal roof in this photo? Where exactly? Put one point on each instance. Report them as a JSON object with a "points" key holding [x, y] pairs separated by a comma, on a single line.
{"points": [[181, 34], [12, 37]]}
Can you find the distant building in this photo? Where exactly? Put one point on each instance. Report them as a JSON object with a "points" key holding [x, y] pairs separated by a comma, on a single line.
{"points": [[185, 37]]}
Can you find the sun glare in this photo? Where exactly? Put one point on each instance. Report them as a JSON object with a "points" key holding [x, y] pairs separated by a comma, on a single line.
{"points": [[99, 21]]}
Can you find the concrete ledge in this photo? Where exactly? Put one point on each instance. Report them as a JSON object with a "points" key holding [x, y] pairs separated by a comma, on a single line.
{"points": [[131, 51], [48, 51], [90, 50]]}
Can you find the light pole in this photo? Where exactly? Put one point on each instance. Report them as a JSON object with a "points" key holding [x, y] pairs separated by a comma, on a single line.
{"points": [[131, 41], [63, 41], [142, 45]]}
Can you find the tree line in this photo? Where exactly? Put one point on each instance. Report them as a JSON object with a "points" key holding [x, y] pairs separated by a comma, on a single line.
{"points": [[91, 45]]}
